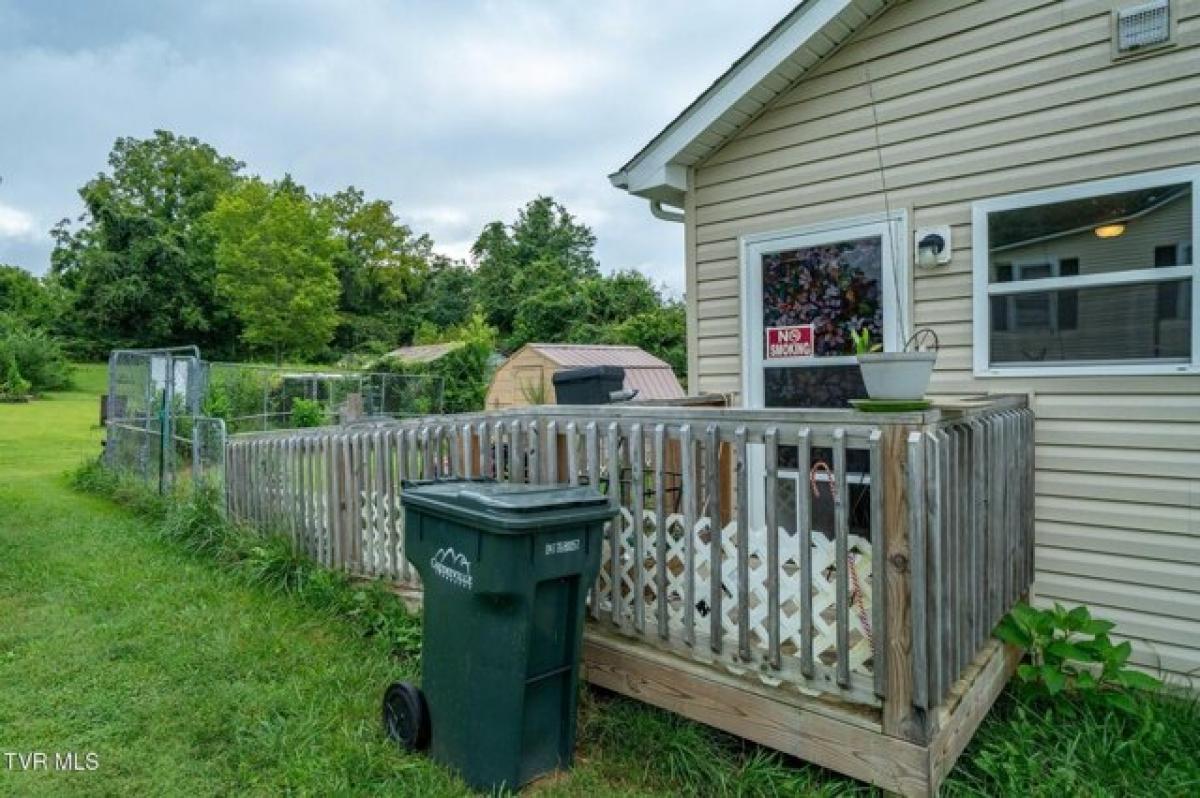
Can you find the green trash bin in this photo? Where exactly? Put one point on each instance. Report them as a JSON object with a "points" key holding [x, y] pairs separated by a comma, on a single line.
{"points": [[505, 570]]}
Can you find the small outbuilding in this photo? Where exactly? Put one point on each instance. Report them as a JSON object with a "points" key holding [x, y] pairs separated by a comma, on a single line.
{"points": [[526, 378], [424, 353]]}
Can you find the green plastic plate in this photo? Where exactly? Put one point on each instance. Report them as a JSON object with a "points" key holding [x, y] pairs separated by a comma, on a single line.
{"points": [[890, 405]]}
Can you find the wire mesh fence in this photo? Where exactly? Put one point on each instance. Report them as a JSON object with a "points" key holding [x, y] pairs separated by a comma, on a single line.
{"points": [[142, 381], [167, 451], [256, 398], [168, 411]]}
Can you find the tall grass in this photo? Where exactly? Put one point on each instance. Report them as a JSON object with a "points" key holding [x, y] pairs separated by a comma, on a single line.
{"points": [[194, 521], [1027, 746]]}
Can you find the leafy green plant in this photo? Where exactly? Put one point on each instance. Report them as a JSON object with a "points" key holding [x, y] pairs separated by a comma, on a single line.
{"points": [[13, 387], [862, 342], [31, 362], [307, 413], [1071, 652]]}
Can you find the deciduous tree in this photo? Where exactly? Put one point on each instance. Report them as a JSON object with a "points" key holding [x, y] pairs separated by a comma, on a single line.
{"points": [[26, 299], [275, 253], [138, 263], [543, 232], [381, 269]]}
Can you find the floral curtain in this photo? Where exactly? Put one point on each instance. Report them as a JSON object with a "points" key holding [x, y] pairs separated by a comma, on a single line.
{"points": [[835, 287]]}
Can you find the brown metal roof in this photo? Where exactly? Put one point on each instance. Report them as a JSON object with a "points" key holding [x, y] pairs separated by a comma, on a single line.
{"points": [[575, 355], [651, 376], [425, 353], [654, 383]]}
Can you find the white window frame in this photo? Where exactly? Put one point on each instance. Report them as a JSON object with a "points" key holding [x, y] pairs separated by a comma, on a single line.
{"points": [[984, 289], [892, 228]]}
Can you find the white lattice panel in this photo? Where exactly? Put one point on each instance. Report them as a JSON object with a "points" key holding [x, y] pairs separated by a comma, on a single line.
{"points": [[824, 587]]}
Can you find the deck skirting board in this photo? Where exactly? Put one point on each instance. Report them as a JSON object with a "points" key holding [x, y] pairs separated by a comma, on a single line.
{"points": [[843, 739], [697, 692]]}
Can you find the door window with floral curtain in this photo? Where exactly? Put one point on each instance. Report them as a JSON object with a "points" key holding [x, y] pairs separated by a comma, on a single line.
{"points": [[837, 288]]}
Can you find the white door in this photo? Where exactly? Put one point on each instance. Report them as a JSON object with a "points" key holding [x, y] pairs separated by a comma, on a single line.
{"points": [[804, 292]]}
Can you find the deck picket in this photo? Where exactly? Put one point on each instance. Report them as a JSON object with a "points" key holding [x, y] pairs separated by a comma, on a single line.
{"points": [[426, 451], [593, 471], [382, 488], [712, 455], [978, 559], [516, 453], [840, 489], [878, 558], [804, 541], [402, 474], [550, 455], [743, 544], [637, 501], [454, 458], [943, 561], [660, 533], [691, 517], [533, 447], [771, 509], [333, 477], [572, 453], [498, 451], [615, 528], [923, 629]]}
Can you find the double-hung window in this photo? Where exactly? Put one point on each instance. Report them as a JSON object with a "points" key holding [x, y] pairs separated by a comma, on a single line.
{"points": [[1094, 278]]}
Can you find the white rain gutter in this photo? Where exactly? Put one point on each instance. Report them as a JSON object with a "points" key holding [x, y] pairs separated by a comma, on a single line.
{"points": [[656, 208]]}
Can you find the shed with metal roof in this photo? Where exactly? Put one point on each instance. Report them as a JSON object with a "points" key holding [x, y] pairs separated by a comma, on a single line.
{"points": [[526, 378], [423, 353]]}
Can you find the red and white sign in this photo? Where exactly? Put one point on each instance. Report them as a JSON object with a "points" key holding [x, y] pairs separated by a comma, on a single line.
{"points": [[795, 341]]}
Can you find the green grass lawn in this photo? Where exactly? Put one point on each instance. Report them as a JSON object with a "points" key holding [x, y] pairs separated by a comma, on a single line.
{"points": [[185, 680]]}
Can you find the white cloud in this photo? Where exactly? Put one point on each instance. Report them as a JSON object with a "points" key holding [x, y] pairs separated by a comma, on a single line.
{"points": [[457, 112], [16, 223], [456, 250]]}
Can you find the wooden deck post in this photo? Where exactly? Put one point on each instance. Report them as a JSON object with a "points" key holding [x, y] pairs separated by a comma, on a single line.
{"points": [[901, 718]]}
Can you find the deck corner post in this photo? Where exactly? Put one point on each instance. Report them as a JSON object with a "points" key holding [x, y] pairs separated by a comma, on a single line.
{"points": [[901, 716]]}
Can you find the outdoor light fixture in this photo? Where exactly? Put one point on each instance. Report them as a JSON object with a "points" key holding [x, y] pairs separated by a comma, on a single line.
{"points": [[1109, 230], [933, 246]]}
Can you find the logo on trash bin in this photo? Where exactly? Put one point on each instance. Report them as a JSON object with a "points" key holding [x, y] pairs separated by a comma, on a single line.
{"points": [[455, 568]]}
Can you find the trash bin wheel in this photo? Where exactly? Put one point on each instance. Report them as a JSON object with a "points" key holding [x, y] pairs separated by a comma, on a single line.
{"points": [[405, 716]]}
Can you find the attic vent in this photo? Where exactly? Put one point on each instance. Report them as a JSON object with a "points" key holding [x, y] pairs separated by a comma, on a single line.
{"points": [[1142, 26]]}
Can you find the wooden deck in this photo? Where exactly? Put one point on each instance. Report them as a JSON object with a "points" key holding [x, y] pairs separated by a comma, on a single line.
{"points": [[821, 582]]}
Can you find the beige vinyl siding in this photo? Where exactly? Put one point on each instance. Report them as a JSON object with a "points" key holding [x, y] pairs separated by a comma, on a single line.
{"points": [[975, 100]]}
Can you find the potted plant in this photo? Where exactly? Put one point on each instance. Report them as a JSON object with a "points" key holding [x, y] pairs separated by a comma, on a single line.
{"points": [[896, 376]]}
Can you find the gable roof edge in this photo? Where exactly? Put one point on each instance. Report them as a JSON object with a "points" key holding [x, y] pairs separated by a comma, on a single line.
{"points": [[659, 170]]}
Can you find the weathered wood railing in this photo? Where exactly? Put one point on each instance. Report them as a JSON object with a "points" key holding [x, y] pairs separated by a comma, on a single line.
{"points": [[898, 541]]}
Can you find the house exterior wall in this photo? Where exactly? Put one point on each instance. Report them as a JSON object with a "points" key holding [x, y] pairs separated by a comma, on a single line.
{"points": [[975, 100]]}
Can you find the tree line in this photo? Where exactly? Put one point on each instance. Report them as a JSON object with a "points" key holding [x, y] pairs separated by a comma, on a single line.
{"points": [[177, 244]]}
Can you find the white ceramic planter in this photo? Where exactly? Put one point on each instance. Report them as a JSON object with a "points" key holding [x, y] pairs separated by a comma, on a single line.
{"points": [[897, 376]]}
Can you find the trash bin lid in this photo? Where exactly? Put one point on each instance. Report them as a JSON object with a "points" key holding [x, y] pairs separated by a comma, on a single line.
{"points": [[506, 507], [588, 373]]}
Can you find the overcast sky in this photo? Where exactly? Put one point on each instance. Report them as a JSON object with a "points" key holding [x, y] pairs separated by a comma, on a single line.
{"points": [[458, 112]]}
